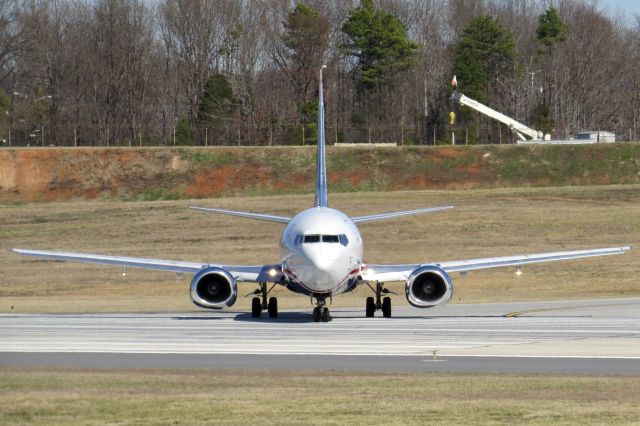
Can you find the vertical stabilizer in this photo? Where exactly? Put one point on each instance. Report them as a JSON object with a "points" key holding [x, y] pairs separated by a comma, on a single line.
{"points": [[322, 199]]}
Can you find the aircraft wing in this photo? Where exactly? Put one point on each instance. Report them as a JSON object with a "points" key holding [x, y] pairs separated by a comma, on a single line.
{"points": [[257, 273], [385, 273]]}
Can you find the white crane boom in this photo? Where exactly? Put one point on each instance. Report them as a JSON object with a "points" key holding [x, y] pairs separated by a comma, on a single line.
{"points": [[523, 132]]}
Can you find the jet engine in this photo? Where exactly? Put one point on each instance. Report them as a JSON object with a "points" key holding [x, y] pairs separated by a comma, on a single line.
{"points": [[429, 286], [213, 288]]}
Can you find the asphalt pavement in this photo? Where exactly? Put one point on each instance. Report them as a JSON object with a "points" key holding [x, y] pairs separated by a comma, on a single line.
{"points": [[583, 336]]}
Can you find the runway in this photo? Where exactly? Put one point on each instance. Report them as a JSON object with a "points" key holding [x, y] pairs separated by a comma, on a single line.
{"points": [[586, 336]]}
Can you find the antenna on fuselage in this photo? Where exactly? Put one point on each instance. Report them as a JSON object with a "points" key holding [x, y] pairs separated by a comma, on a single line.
{"points": [[322, 199]]}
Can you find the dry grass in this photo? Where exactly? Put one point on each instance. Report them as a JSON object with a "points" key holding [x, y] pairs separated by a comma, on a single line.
{"points": [[213, 397], [484, 223]]}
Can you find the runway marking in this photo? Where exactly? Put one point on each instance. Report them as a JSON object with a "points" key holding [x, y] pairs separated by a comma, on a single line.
{"points": [[540, 356], [563, 308], [440, 358], [520, 313], [487, 334]]}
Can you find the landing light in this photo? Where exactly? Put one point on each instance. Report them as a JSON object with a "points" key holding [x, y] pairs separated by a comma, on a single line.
{"points": [[124, 272], [518, 271], [273, 272]]}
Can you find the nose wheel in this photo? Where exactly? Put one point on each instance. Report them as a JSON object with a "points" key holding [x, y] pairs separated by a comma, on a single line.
{"points": [[264, 303], [321, 312], [379, 303]]}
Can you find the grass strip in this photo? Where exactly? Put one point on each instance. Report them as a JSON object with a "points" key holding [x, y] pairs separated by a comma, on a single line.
{"points": [[71, 397]]}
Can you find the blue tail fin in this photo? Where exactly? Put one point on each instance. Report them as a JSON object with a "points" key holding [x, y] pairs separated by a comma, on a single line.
{"points": [[322, 199]]}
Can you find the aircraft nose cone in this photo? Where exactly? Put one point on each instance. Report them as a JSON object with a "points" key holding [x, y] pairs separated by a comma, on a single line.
{"points": [[323, 263], [325, 268]]}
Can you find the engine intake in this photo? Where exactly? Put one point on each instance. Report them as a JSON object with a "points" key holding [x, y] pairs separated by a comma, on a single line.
{"points": [[429, 286], [213, 288]]}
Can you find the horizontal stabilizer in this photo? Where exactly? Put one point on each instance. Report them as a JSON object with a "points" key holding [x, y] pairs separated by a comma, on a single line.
{"points": [[390, 215], [247, 215]]}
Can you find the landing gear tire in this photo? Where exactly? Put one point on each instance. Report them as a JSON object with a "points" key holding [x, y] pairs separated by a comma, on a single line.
{"points": [[316, 314], [386, 307], [370, 307], [273, 307], [256, 307], [326, 316]]}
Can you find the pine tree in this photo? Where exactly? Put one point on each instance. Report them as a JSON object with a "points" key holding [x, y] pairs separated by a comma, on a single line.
{"points": [[217, 106], [184, 134], [485, 52], [379, 41], [551, 31], [484, 55], [551, 28], [306, 38]]}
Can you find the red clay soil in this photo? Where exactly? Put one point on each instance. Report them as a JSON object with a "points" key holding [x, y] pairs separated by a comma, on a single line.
{"points": [[60, 174], [52, 174]]}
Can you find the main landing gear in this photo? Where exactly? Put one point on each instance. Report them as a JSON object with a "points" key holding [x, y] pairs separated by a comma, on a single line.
{"points": [[321, 311], [378, 303], [259, 304]]}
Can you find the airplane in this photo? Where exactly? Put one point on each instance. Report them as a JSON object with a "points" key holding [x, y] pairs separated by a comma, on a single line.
{"points": [[321, 257]]}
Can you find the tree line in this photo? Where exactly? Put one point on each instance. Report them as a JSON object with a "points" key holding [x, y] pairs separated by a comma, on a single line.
{"points": [[245, 72]]}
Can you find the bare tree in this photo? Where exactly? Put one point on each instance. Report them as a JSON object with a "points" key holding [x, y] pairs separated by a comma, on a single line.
{"points": [[98, 72], [11, 36], [199, 34]]}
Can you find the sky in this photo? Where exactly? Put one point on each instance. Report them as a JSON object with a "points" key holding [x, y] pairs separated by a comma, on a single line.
{"points": [[631, 7]]}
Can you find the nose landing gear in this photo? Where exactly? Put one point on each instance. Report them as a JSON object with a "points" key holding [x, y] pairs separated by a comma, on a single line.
{"points": [[321, 311]]}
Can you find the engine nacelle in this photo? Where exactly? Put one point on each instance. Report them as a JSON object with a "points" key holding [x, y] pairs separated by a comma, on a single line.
{"points": [[429, 286], [213, 288]]}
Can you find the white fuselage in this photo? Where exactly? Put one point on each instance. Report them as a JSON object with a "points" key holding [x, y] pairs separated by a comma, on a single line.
{"points": [[321, 251]]}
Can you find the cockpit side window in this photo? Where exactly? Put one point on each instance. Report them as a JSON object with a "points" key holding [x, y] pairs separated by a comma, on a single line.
{"points": [[312, 238], [343, 240]]}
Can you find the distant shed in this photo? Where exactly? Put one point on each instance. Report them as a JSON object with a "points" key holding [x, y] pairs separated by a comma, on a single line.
{"points": [[594, 136]]}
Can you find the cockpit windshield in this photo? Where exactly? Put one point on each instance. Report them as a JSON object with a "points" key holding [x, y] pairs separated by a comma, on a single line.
{"points": [[315, 238], [311, 239]]}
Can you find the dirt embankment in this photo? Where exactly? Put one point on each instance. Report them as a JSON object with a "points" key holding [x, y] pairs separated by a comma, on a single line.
{"points": [[50, 174]]}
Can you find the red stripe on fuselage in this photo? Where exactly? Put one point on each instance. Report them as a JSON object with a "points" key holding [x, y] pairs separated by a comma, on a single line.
{"points": [[297, 280]]}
